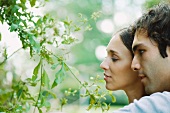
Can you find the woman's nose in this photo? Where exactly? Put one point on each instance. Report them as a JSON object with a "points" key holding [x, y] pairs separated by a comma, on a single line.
{"points": [[104, 65]]}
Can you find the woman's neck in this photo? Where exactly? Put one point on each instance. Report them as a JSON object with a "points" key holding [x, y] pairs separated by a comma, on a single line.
{"points": [[135, 92]]}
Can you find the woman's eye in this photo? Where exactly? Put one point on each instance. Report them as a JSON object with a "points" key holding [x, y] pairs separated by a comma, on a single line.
{"points": [[114, 59]]}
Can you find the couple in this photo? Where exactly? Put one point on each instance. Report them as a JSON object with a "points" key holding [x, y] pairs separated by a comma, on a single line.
{"points": [[138, 62]]}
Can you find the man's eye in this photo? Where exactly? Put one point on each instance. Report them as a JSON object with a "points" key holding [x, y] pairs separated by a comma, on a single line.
{"points": [[141, 51], [114, 59]]}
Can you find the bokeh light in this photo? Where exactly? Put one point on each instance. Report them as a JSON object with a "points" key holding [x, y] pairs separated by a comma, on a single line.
{"points": [[100, 52], [106, 26]]}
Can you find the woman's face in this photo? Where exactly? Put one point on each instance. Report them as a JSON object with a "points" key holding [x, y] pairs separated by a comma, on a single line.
{"points": [[117, 66]]}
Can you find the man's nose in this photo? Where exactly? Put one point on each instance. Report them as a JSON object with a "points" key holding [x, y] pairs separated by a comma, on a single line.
{"points": [[135, 64]]}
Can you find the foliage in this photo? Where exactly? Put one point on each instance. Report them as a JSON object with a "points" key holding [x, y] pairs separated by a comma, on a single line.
{"points": [[97, 97], [33, 32], [151, 3]]}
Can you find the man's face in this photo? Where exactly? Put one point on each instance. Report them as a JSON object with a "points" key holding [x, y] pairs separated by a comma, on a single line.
{"points": [[153, 69]]}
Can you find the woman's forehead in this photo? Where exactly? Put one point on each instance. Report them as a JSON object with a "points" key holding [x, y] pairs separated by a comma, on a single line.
{"points": [[116, 44]]}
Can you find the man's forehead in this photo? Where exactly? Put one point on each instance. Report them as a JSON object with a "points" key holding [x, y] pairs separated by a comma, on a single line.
{"points": [[135, 42], [141, 31], [139, 36]]}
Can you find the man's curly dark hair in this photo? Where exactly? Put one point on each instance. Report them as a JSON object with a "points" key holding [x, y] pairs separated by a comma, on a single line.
{"points": [[156, 22]]}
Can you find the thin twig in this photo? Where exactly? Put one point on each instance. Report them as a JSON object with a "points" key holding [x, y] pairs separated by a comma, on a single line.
{"points": [[9, 56]]}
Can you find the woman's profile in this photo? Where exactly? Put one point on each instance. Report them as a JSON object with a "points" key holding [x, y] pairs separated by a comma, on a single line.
{"points": [[117, 66]]}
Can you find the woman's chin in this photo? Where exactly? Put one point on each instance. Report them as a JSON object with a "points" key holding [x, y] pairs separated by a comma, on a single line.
{"points": [[111, 88]]}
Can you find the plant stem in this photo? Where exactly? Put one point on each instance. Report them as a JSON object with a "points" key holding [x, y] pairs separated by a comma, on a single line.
{"points": [[40, 85], [73, 73], [10, 56], [67, 67]]}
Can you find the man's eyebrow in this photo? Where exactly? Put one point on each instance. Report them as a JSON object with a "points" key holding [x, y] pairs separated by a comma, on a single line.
{"points": [[135, 48]]}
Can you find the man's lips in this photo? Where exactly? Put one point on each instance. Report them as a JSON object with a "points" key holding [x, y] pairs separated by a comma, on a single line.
{"points": [[141, 75]]}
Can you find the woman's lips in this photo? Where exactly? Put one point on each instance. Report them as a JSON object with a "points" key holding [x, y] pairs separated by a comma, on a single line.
{"points": [[106, 77]]}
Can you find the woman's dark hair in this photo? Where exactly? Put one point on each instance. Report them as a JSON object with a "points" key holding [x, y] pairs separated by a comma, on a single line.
{"points": [[156, 22], [127, 37]]}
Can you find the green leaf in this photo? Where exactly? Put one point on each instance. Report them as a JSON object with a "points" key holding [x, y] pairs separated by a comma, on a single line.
{"points": [[56, 31], [90, 106], [66, 23], [60, 76], [49, 93], [19, 108], [54, 84], [48, 58], [47, 105], [34, 43], [31, 52], [45, 18], [106, 106], [24, 22], [39, 22], [22, 6], [15, 9], [80, 15], [1, 20], [96, 15], [0, 36], [113, 98], [13, 27], [27, 106], [92, 99], [19, 92], [5, 53], [101, 81], [35, 72], [54, 66], [23, 1], [68, 41], [45, 80], [88, 28], [32, 2], [63, 101], [77, 28], [40, 111], [52, 94]]}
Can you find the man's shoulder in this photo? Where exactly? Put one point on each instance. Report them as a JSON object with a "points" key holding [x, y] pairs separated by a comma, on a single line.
{"points": [[165, 93], [155, 96], [155, 103]]}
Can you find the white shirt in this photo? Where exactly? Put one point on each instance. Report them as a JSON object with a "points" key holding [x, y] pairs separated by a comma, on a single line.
{"points": [[155, 103]]}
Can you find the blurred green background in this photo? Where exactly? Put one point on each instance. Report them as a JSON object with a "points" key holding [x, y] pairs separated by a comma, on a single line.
{"points": [[87, 54]]}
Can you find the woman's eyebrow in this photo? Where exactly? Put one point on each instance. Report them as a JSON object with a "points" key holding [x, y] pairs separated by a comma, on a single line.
{"points": [[111, 51]]}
